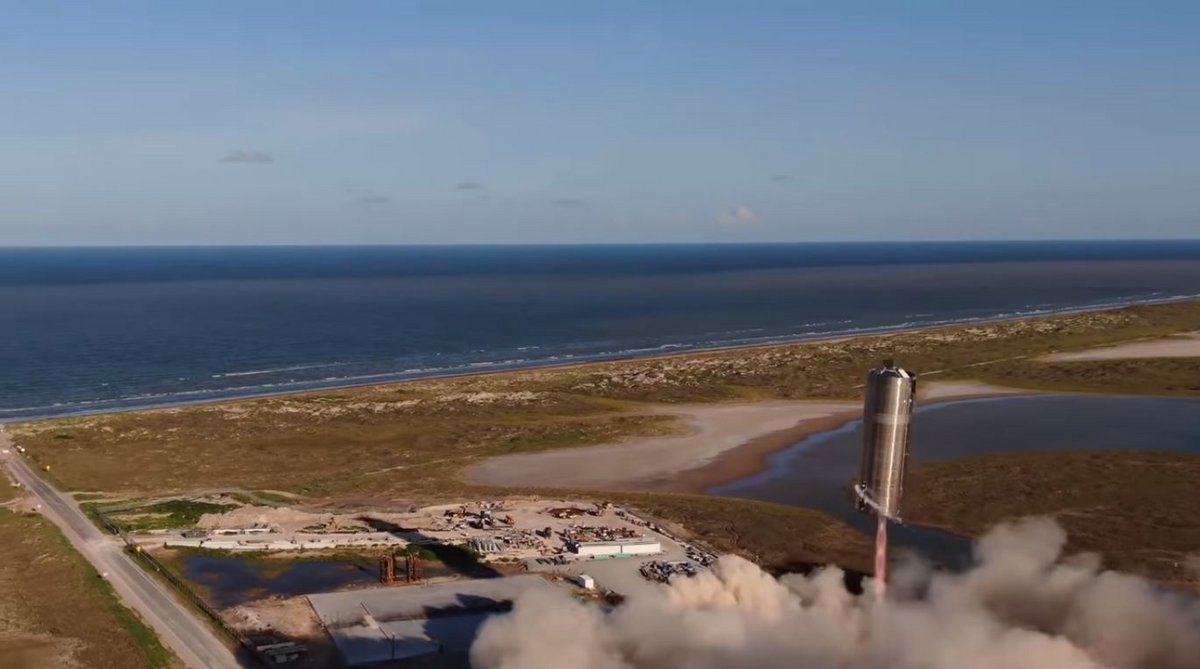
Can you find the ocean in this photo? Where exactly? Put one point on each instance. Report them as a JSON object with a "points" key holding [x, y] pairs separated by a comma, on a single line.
{"points": [[99, 329]]}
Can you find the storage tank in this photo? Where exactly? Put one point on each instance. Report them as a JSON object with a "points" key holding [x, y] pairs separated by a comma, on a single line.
{"points": [[887, 411]]}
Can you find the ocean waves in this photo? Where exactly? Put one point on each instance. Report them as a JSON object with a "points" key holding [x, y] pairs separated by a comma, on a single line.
{"points": [[305, 376], [70, 347]]}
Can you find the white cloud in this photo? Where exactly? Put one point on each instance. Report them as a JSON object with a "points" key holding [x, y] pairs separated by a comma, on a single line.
{"points": [[739, 215]]}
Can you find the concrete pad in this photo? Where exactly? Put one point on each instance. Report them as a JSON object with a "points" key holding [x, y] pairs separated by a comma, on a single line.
{"points": [[338, 609], [386, 624]]}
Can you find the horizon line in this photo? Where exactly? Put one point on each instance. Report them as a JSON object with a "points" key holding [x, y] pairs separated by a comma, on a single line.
{"points": [[1106, 240]]}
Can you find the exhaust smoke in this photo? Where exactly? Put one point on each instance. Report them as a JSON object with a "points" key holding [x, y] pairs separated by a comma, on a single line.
{"points": [[1019, 607]]}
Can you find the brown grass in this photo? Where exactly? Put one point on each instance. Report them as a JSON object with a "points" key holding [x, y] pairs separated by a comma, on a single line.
{"points": [[1136, 509], [414, 456], [55, 610], [1151, 376]]}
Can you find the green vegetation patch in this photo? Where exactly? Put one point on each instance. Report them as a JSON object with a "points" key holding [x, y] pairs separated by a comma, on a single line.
{"points": [[171, 514], [260, 496]]}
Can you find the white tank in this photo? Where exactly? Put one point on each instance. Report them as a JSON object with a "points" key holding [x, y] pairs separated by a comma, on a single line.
{"points": [[887, 412]]}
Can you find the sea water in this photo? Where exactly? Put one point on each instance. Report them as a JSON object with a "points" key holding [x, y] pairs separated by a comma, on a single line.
{"points": [[101, 329]]}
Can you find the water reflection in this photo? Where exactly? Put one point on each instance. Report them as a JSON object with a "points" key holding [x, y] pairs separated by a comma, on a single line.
{"points": [[816, 472], [232, 580]]}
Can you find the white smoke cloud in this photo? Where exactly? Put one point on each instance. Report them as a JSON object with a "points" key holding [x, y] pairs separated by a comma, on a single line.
{"points": [[1020, 607]]}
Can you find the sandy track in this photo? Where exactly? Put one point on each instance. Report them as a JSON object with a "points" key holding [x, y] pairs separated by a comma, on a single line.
{"points": [[725, 441], [1178, 346]]}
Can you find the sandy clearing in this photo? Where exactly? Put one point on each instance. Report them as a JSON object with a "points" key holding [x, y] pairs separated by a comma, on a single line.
{"points": [[944, 391], [726, 441], [1177, 346], [714, 430]]}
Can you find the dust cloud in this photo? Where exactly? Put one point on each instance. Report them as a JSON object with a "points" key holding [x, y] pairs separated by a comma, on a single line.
{"points": [[1020, 607]]}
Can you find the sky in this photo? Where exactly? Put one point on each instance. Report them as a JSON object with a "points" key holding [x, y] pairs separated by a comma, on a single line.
{"points": [[405, 122]]}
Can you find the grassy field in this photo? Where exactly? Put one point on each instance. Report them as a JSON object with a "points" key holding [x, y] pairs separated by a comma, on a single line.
{"points": [[55, 611], [1137, 509], [331, 445], [408, 442], [1156, 376]]}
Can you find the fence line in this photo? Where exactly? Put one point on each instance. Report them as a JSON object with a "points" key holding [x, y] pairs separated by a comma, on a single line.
{"points": [[178, 583]]}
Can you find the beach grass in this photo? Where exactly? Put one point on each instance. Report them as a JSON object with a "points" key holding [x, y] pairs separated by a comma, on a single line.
{"points": [[1136, 509], [1148, 376]]}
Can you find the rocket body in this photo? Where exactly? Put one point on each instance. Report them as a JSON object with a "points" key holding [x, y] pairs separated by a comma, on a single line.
{"points": [[887, 414]]}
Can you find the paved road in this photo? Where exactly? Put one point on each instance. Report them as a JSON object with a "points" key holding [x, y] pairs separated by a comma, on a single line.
{"points": [[190, 638]]}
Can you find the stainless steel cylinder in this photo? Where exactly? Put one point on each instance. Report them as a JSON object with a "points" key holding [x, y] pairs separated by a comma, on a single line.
{"points": [[887, 413]]}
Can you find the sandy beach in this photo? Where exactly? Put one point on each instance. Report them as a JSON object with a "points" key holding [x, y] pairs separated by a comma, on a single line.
{"points": [[1179, 346], [725, 442]]}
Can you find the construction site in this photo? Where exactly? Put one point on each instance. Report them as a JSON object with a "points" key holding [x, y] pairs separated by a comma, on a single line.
{"points": [[421, 582]]}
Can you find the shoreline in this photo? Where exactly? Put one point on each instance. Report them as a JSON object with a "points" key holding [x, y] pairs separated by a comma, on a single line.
{"points": [[751, 458], [754, 456], [727, 442], [319, 387]]}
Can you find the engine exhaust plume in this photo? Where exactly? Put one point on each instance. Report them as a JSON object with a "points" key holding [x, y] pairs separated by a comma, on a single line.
{"points": [[1019, 607]]}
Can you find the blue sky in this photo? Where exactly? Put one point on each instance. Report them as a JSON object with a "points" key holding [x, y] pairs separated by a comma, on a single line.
{"points": [[514, 122]]}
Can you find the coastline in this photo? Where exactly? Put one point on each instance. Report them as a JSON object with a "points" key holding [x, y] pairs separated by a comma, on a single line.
{"points": [[750, 458], [727, 442], [389, 379]]}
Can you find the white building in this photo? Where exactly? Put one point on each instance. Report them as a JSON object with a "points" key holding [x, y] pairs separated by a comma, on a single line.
{"points": [[586, 582], [617, 548]]}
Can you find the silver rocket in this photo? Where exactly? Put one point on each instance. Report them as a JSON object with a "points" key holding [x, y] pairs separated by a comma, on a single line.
{"points": [[887, 412]]}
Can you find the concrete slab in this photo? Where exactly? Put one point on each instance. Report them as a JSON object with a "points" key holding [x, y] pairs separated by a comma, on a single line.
{"points": [[362, 645], [454, 633], [394, 623], [337, 609]]}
